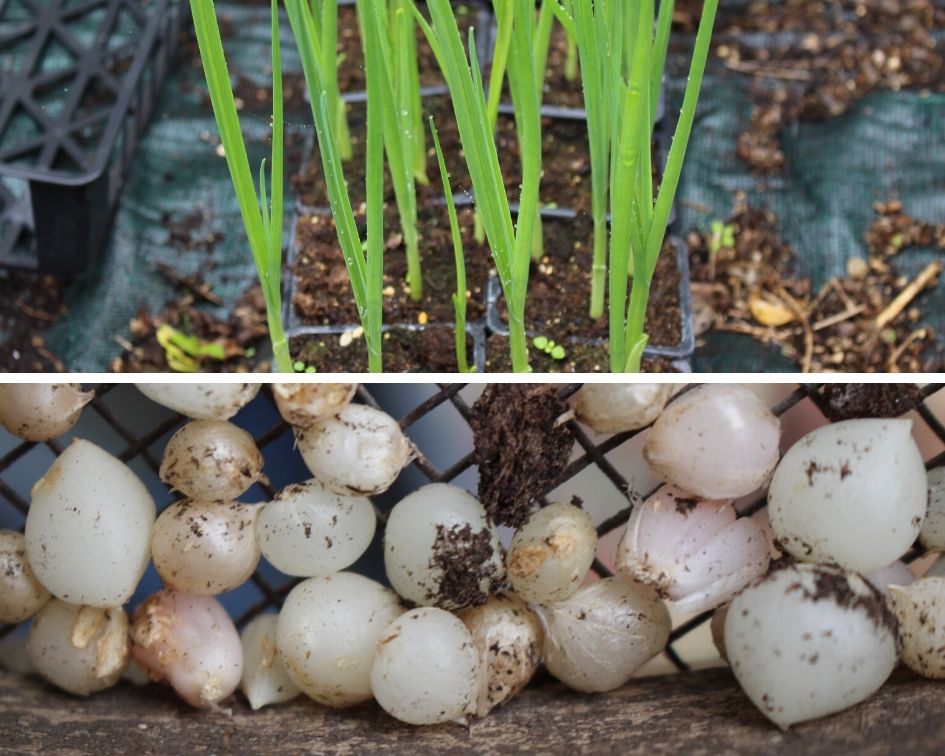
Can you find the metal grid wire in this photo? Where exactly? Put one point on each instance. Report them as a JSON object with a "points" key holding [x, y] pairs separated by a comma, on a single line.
{"points": [[142, 450]]}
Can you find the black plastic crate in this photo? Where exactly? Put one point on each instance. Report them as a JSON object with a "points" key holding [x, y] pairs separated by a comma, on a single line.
{"points": [[78, 83]]}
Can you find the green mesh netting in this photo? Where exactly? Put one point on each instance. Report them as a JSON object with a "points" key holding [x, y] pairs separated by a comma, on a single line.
{"points": [[889, 145]]}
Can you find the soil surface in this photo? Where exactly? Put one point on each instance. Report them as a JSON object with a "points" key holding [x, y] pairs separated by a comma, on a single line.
{"points": [[423, 350], [29, 304], [579, 358], [323, 293], [866, 321], [559, 289]]}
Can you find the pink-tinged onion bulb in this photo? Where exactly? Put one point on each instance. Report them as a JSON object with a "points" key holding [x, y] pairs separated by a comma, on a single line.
{"points": [[21, 594], [358, 452], [920, 608], [201, 401], [897, 573], [619, 407], [599, 637], [309, 531], [304, 404], [211, 460], [808, 641], [551, 553], [189, 642], [933, 529], [88, 530], [507, 634], [426, 668], [41, 411], [265, 680], [853, 494], [327, 632], [696, 554], [206, 547], [81, 649], [717, 441]]}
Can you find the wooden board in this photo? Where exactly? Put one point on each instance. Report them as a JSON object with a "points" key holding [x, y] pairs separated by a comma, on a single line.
{"points": [[697, 713]]}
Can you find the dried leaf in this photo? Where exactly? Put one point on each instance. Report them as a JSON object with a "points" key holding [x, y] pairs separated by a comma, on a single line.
{"points": [[768, 310]]}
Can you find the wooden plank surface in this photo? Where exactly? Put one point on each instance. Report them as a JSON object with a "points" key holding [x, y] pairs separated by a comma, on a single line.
{"points": [[697, 713]]}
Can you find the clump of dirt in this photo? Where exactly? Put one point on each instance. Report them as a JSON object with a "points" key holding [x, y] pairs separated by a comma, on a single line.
{"points": [[241, 336], [521, 447], [464, 559], [29, 304], [866, 321], [832, 55], [843, 401]]}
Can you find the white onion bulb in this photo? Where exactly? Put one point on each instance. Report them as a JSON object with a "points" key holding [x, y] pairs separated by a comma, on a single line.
{"points": [[852, 494], [717, 441], [551, 553], [265, 680], [81, 649], [619, 407], [304, 404], [599, 637], [88, 530], [41, 411], [440, 549], [327, 632], [358, 452], [933, 530], [697, 554], [308, 531], [189, 642], [717, 630], [201, 401], [21, 594], [206, 547], [920, 608], [507, 634], [426, 669], [211, 460], [808, 641]]}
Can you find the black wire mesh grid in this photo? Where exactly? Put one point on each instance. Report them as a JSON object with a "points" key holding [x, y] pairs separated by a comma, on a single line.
{"points": [[141, 449]]}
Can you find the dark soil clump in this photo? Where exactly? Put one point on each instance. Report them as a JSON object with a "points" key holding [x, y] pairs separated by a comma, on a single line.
{"points": [[29, 304], [843, 401], [521, 448]]}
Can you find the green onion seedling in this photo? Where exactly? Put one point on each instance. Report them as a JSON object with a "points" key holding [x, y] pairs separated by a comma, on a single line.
{"points": [[324, 21], [459, 298], [366, 272], [262, 216], [510, 245]]}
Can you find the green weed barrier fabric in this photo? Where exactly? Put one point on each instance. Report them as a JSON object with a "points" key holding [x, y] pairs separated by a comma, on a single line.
{"points": [[889, 146]]}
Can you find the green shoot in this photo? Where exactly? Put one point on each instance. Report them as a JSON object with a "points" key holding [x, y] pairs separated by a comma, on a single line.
{"points": [[622, 61], [398, 120], [510, 245], [366, 273], [324, 18], [407, 89], [262, 221], [722, 236], [571, 61], [300, 367], [459, 298]]}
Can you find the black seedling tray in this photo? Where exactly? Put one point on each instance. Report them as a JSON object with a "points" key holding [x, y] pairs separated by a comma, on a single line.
{"points": [[78, 83]]}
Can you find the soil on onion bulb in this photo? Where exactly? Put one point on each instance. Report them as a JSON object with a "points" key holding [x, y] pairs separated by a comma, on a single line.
{"points": [[850, 325]]}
